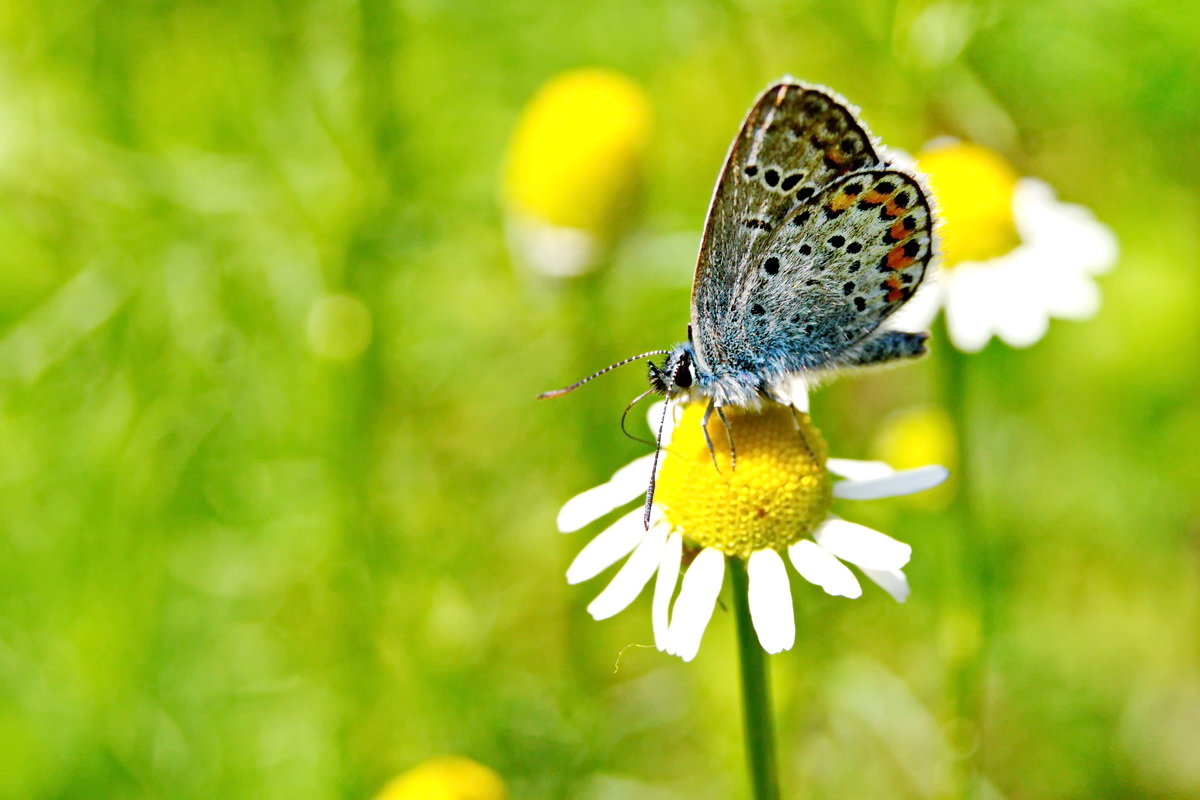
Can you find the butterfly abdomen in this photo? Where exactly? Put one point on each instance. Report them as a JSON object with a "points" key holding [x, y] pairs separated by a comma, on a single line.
{"points": [[889, 346]]}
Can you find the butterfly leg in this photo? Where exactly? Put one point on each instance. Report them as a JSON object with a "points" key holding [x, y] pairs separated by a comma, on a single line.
{"points": [[887, 346], [729, 436], [800, 430], [712, 406]]}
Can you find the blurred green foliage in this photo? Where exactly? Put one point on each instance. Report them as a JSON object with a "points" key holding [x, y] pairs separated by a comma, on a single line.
{"points": [[239, 560]]}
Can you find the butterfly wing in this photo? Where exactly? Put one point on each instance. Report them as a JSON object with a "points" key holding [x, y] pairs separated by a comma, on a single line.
{"points": [[834, 269], [794, 141]]}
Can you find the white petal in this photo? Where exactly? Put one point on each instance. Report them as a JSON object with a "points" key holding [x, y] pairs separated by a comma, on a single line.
{"points": [[654, 416], [1066, 236], [1021, 318], [629, 581], [694, 606], [970, 305], [771, 601], [1071, 296], [626, 483], [862, 546], [859, 470], [551, 250], [1023, 329], [664, 587], [792, 390], [819, 567], [907, 481], [610, 546], [891, 581]]}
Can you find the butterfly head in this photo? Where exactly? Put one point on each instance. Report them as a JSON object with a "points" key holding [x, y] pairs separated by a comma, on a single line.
{"points": [[677, 375]]}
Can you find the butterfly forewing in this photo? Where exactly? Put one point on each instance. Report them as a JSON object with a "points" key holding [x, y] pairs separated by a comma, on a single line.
{"points": [[834, 269], [795, 140]]}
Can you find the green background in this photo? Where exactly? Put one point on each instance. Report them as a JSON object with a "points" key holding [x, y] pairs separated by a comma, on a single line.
{"points": [[230, 568]]}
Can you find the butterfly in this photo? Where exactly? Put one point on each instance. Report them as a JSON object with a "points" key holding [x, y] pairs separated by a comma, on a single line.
{"points": [[813, 239]]}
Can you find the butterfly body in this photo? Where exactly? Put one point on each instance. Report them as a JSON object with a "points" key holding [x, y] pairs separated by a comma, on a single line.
{"points": [[743, 384]]}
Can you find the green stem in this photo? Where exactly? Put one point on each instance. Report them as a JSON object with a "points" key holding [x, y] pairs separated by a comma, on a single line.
{"points": [[965, 622], [756, 692]]}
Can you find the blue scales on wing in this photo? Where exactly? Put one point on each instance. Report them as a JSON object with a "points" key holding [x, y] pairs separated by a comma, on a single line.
{"points": [[821, 285], [794, 142]]}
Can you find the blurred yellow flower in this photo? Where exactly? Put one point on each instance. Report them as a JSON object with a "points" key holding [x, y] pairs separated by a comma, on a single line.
{"points": [[914, 436], [775, 504], [974, 188], [573, 169], [446, 778], [920, 435], [1014, 256]]}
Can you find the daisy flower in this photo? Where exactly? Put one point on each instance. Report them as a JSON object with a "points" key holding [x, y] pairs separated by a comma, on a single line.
{"points": [[573, 170], [1013, 256], [775, 505], [446, 778]]}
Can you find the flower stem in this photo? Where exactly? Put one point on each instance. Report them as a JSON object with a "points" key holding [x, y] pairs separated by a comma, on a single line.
{"points": [[756, 692], [966, 621]]}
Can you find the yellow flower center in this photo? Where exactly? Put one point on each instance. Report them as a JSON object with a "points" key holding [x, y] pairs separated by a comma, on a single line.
{"points": [[575, 157], [779, 493], [974, 190]]}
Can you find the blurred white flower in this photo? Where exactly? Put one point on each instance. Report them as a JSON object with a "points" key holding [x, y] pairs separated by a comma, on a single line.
{"points": [[1013, 256]]}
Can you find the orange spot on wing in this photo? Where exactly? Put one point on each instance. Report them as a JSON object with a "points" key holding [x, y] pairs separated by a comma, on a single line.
{"points": [[896, 289], [842, 201], [874, 198], [897, 260], [898, 231]]}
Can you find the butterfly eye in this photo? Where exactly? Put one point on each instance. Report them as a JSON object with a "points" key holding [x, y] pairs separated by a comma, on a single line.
{"points": [[683, 377], [683, 373]]}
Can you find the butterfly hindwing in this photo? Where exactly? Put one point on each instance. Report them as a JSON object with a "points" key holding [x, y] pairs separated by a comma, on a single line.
{"points": [[833, 271], [795, 140]]}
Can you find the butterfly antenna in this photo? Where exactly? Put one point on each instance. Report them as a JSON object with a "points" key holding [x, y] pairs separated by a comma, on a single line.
{"points": [[625, 415], [654, 469], [609, 368]]}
